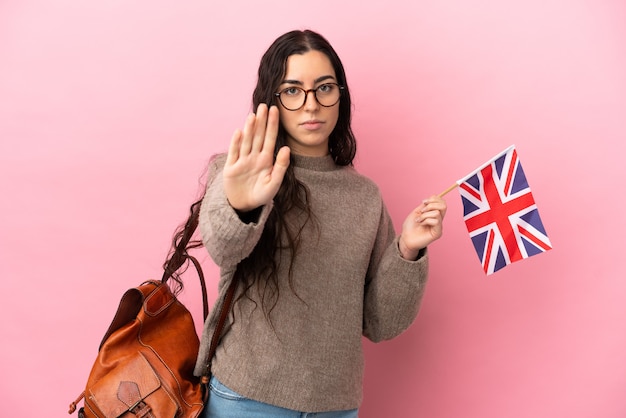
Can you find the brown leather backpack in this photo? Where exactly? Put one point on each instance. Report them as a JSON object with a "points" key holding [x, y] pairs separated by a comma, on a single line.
{"points": [[145, 363]]}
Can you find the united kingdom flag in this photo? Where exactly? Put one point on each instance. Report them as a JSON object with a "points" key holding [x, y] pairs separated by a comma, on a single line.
{"points": [[501, 214]]}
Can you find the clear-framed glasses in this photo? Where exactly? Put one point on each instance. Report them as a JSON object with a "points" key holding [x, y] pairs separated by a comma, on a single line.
{"points": [[293, 98]]}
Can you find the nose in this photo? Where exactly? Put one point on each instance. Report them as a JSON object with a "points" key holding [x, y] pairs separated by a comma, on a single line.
{"points": [[310, 104]]}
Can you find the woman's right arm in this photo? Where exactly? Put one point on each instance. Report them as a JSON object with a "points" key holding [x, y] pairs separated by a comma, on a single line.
{"points": [[227, 237], [241, 187]]}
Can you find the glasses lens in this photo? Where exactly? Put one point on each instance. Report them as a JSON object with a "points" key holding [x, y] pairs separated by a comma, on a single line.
{"points": [[327, 94], [292, 98]]}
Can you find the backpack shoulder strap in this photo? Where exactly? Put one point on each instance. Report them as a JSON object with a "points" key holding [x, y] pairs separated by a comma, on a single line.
{"points": [[221, 321]]}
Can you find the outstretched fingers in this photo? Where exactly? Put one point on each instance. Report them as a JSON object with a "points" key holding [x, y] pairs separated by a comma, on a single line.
{"points": [[252, 176], [258, 134]]}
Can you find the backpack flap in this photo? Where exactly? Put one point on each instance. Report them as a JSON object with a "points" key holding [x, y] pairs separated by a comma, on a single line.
{"points": [[133, 387]]}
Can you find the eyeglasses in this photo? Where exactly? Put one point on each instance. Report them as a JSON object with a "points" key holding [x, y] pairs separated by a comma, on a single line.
{"points": [[294, 98]]}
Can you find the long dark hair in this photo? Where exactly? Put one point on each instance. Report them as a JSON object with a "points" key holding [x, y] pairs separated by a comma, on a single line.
{"points": [[261, 266]]}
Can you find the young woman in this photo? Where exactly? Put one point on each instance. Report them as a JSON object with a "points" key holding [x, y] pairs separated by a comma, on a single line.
{"points": [[312, 244]]}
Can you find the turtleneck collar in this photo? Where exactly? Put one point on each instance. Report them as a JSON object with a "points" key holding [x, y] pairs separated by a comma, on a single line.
{"points": [[325, 163]]}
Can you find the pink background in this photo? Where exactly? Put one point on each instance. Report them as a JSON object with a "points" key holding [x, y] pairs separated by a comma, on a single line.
{"points": [[110, 110]]}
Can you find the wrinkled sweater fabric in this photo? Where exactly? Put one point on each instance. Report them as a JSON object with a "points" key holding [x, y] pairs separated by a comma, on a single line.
{"points": [[349, 280]]}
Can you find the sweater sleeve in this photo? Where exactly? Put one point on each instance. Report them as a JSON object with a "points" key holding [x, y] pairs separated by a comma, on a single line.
{"points": [[227, 237], [394, 287]]}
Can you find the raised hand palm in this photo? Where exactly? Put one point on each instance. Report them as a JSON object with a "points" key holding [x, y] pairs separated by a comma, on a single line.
{"points": [[251, 177]]}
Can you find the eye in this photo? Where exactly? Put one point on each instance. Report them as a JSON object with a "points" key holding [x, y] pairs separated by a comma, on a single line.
{"points": [[326, 88], [291, 91]]}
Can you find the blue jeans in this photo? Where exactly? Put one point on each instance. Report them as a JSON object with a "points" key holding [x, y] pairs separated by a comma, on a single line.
{"points": [[225, 403]]}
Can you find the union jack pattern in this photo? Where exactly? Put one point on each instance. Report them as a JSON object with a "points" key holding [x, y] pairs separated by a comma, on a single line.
{"points": [[501, 214]]}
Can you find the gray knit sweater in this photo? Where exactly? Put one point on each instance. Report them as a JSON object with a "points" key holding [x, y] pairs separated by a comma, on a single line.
{"points": [[349, 280]]}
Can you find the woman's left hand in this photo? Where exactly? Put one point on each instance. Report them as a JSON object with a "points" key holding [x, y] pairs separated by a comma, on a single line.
{"points": [[423, 226]]}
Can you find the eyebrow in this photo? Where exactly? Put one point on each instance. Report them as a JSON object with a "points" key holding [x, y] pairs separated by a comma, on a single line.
{"points": [[317, 80]]}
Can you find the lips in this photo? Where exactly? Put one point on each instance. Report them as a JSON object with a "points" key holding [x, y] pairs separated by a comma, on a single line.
{"points": [[312, 124]]}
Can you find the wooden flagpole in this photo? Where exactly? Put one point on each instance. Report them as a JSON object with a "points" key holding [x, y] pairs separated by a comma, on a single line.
{"points": [[448, 190]]}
